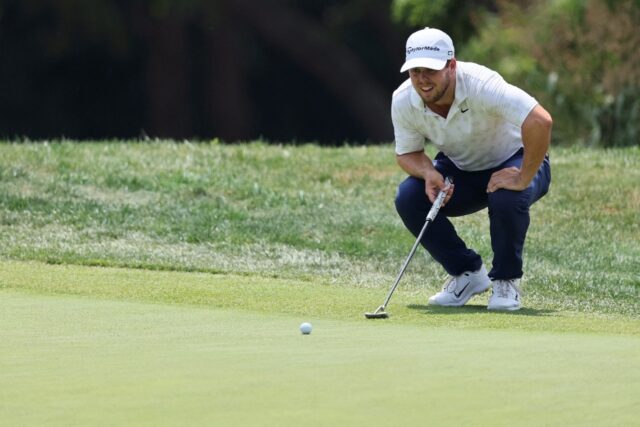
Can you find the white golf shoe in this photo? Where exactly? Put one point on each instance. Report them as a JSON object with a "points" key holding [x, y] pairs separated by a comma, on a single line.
{"points": [[505, 295], [457, 290]]}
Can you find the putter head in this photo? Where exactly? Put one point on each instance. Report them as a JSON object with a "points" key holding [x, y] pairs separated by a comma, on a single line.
{"points": [[378, 314]]}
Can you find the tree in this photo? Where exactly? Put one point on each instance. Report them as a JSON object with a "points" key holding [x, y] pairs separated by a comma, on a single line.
{"points": [[175, 69], [580, 59]]}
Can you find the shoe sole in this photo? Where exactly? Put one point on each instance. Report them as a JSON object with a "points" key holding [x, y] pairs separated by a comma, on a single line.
{"points": [[504, 308]]}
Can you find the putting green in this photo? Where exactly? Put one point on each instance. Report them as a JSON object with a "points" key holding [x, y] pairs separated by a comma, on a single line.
{"points": [[77, 360]]}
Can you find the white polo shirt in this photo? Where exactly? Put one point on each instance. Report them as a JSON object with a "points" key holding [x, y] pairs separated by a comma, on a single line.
{"points": [[482, 129]]}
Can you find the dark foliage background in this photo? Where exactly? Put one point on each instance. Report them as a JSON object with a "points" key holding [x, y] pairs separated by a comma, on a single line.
{"points": [[285, 70]]}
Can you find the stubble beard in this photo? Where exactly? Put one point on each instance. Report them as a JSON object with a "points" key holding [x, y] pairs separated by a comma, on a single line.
{"points": [[436, 93]]}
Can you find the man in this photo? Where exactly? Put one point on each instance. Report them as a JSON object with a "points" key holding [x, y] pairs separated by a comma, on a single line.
{"points": [[492, 139]]}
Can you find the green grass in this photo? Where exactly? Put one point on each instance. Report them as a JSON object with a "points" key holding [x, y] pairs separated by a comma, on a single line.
{"points": [[302, 298], [105, 346], [163, 284], [304, 212]]}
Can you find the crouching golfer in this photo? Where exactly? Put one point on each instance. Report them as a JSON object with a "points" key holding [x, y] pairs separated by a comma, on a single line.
{"points": [[492, 139]]}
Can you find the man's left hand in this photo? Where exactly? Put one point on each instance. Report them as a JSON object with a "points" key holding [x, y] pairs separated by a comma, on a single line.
{"points": [[509, 179]]}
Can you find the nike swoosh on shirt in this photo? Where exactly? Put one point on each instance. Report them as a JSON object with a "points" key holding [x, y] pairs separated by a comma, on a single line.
{"points": [[457, 294], [464, 111]]}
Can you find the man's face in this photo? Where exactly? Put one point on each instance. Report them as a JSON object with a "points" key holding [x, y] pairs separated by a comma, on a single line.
{"points": [[430, 84]]}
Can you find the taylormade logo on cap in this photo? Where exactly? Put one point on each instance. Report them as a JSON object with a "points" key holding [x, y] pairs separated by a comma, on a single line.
{"points": [[428, 48]]}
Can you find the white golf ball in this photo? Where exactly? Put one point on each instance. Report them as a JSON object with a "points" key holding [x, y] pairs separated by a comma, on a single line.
{"points": [[305, 328]]}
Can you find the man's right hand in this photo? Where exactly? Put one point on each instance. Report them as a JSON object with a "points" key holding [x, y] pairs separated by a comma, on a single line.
{"points": [[418, 164], [434, 183]]}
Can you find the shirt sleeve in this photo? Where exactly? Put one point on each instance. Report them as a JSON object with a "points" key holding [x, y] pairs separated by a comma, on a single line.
{"points": [[407, 137], [506, 100]]}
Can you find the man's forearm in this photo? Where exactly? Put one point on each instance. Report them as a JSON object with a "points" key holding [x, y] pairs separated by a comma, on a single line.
{"points": [[415, 164], [536, 137]]}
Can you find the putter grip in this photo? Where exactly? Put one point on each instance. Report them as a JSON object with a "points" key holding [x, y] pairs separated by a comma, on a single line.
{"points": [[436, 205]]}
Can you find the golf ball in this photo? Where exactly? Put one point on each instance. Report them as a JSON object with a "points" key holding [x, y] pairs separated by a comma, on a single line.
{"points": [[305, 328]]}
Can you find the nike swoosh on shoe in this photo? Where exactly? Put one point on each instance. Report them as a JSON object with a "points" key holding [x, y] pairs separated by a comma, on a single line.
{"points": [[457, 294]]}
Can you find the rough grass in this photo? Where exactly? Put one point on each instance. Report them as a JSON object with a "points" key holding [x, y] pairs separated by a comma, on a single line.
{"points": [[305, 213]]}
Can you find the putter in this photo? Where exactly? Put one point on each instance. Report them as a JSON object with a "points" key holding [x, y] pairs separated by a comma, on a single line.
{"points": [[380, 312]]}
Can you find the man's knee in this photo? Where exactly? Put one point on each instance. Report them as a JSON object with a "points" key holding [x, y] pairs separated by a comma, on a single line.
{"points": [[508, 202], [411, 196]]}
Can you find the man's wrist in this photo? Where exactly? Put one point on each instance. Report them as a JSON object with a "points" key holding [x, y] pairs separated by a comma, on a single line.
{"points": [[524, 179], [429, 172]]}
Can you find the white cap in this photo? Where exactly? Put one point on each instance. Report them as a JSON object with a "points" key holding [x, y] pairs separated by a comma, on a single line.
{"points": [[428, 48]]}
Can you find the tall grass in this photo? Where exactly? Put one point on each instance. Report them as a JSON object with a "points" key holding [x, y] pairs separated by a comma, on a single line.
{"points": [[305, 213]]}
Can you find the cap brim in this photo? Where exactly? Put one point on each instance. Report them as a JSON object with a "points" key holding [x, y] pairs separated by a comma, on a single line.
{"points": [[432, 63]]}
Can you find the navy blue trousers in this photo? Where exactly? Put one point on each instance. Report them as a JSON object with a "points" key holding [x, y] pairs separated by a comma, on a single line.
{"points": [[508, 216]]}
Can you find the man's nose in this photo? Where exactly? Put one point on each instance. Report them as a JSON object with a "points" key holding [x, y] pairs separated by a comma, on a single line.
{"points": [[423, 77]]}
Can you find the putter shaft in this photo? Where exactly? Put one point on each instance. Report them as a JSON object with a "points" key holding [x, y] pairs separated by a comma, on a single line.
{"points": [[430, 217]]}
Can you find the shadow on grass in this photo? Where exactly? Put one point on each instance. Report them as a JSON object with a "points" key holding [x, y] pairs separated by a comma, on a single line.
{"points": [[474, 309]]}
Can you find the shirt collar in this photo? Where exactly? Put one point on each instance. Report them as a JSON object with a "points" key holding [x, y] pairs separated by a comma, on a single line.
{"points": [[462, 93], [416, 101]]}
